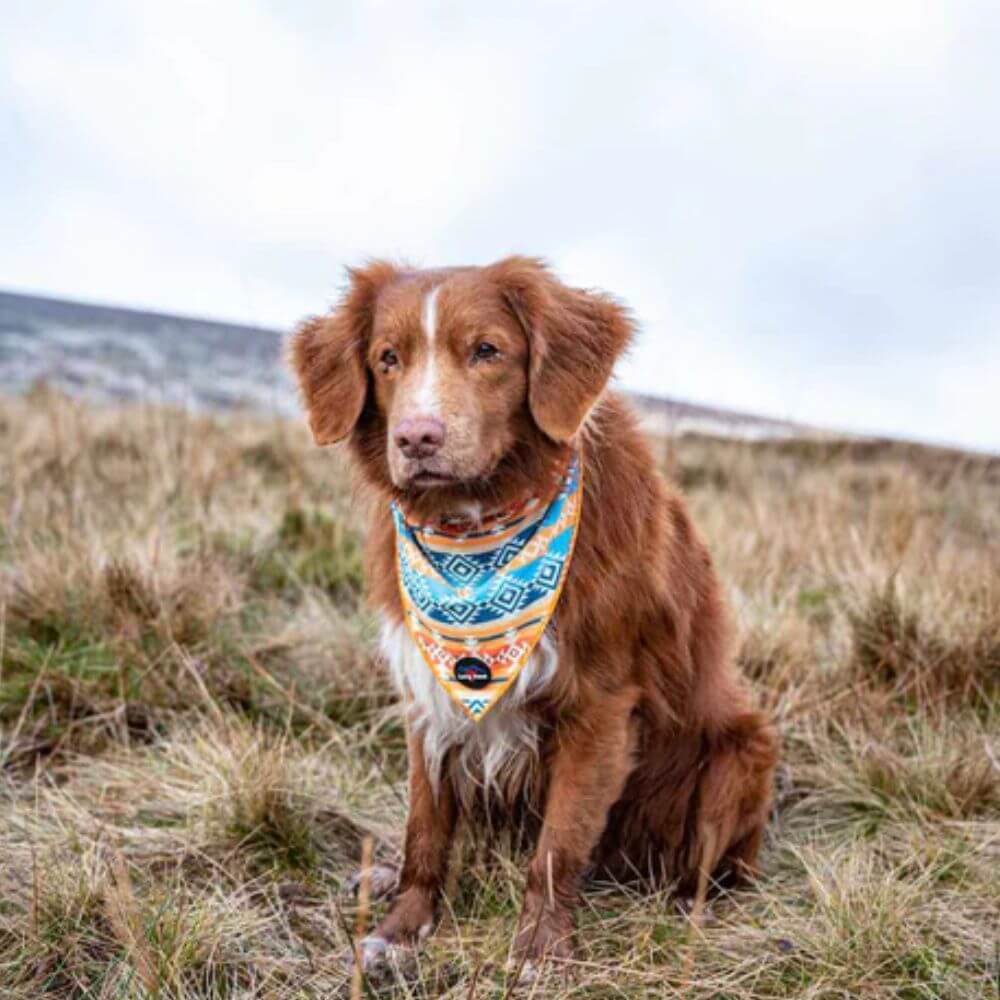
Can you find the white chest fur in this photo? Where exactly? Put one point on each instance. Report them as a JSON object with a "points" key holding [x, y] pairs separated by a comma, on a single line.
{"points": [[488, 750]]}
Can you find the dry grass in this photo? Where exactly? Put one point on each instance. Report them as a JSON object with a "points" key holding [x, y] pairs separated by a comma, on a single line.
{"points": [[195, 741]]}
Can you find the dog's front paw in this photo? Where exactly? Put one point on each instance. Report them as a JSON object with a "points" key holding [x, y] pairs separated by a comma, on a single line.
{"points": [[379, 955], [408, 922], [543, 933], [540, 948]]}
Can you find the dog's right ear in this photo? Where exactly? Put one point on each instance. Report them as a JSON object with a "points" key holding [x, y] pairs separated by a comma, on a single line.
{"points": [[327, 355]]}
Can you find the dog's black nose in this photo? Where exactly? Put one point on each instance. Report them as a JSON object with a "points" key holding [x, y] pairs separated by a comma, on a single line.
{"points": [[419, 437]]}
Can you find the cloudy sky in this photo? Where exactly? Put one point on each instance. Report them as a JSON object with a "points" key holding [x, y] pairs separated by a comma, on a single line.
{"points": [[799, 199]]}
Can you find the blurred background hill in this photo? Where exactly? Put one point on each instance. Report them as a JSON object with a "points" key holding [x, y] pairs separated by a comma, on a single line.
{"points": [[110, 353]]}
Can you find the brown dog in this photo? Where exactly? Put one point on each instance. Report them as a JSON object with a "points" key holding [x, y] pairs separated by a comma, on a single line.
{"points": [[628, 746]]}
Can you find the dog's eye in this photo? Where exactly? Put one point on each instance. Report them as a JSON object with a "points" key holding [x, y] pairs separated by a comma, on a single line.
{"points": [[389, 359], [484, 352]]}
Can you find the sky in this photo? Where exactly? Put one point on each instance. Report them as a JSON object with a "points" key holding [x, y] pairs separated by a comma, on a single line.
{"points": [[799, 199]]}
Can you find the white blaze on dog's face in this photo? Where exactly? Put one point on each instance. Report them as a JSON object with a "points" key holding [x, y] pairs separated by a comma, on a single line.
{"points": [[449, 366]]}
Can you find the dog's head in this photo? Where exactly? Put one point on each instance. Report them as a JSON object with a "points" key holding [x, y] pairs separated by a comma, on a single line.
{"points": [[443, 378]]}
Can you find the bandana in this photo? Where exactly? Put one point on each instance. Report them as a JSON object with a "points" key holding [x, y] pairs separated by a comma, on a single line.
{"points": [[476, 602]]}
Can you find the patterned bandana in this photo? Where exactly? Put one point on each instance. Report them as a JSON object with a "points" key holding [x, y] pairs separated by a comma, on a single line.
{"points": [[476, 602]]}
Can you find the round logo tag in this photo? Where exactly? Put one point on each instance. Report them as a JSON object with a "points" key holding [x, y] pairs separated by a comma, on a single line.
{"points": [[472, 672]]}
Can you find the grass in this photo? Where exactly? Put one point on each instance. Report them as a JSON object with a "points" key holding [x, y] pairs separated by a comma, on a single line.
{"points": [[195, 739]]}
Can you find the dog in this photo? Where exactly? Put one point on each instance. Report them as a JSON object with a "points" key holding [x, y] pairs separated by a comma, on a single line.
{"points": [[627, 745]]}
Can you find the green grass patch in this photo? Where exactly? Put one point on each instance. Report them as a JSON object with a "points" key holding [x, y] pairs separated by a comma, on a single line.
{"points": [[311, 549]]}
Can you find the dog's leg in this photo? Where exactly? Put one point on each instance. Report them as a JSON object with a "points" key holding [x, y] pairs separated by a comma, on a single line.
{"points": [[430, 828], [593, 758]]}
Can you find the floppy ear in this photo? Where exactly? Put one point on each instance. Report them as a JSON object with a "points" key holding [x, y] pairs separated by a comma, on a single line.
{"points": [[327, 355], [574, 338]]}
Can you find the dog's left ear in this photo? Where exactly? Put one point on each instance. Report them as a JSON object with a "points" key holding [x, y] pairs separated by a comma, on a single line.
{"points": [[574, 338]]}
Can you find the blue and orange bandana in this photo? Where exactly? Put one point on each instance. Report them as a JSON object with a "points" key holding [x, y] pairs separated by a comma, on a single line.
{"points": [[476, 602]]}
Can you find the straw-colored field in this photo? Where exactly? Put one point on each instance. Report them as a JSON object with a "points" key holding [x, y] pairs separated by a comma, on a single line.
{"points": [[195, 736]]}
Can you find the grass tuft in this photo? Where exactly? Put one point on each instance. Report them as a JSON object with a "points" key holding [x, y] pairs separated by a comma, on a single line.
{"points": [[894, 646]]}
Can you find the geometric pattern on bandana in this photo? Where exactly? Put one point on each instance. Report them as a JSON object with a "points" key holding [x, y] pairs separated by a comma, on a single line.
{"points": [[476, 602]]}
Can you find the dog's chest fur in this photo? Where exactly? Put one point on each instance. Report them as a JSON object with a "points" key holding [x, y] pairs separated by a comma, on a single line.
{"points": [[495, 754]]}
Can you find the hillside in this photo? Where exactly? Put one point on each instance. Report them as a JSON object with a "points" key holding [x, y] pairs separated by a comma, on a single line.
{"points": [[109, 353]]}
